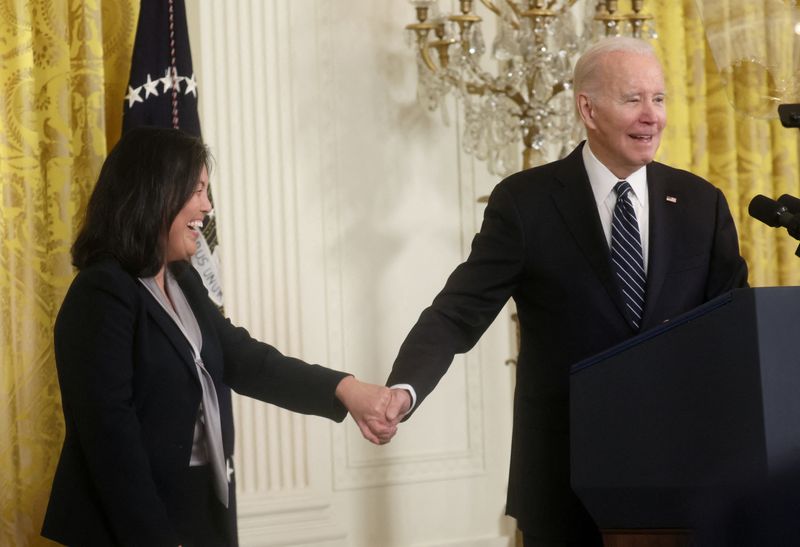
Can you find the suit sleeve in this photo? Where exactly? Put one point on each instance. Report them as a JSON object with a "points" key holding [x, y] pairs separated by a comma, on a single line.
{"points": [[259, 370], [93, 342], [728, 270], [472, 297]]}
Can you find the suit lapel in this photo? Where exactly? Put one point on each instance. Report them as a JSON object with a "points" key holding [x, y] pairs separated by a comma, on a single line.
{"points": [[575, 201], [196, 294], [170, 329], [665, 203]]}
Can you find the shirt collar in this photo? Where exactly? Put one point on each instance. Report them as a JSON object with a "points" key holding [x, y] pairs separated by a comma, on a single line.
{"points": [[603, 180]]}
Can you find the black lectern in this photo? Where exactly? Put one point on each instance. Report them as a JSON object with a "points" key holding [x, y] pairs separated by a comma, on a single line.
{"points": [[705, 404]]}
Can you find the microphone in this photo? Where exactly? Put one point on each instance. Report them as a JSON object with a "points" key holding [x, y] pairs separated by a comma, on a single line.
{"points": [[769, 211], [775, 214], [790, 202]]}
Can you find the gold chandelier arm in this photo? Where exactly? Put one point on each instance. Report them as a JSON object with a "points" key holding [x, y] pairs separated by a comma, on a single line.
{"points": [[489, 4], [516, 97], [494, 9], [559, 87], [474, 89], [521, 102], [484, 80], [567, 5], [422, 30], [425, 52]]}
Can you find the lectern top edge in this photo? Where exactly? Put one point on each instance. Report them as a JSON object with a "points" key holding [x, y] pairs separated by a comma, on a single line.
{"points": [[699, 311]]}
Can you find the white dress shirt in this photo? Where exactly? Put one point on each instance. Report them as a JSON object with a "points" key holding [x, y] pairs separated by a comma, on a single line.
{"points": [[603, 181]]}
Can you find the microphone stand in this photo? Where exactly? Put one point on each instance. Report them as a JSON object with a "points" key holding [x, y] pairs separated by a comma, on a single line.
{"points": [[790, 117]]}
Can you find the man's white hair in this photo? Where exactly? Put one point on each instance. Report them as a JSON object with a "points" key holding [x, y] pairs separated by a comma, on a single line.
{"points": [[585, 75]]}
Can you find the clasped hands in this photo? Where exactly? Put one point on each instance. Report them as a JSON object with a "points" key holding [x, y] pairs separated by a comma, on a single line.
{"points": [[376, 409]]}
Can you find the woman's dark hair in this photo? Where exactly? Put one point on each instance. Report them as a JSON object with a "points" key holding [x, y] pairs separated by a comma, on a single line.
{"points": [[145, 181]]}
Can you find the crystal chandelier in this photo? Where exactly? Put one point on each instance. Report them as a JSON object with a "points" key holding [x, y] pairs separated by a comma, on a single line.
{"points": [[529, 99]]}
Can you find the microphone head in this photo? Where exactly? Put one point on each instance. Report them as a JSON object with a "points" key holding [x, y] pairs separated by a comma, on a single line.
{"points": [[790, 202], [766, 210]]}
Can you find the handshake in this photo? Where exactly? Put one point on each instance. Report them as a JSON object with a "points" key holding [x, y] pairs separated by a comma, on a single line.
{"points": [[376, 409]]}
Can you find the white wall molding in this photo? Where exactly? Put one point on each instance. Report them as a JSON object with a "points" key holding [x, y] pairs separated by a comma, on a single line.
{"points": [[353, 466], [243, 61], [353, 471], [497, 541], [288, 519]]}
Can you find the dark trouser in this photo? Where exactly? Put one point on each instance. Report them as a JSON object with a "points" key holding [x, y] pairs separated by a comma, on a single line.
{"points": [[205, 521]]}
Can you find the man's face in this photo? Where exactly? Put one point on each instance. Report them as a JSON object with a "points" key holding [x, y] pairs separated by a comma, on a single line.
{"points": [[624, 112]]}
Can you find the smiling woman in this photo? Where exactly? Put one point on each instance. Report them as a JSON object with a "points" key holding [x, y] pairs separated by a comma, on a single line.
{"points": [[148, 180], [185, 229], [146, 364]]}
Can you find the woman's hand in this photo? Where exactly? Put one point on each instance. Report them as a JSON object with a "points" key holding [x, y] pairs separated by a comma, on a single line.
{"points": [[373, 407]]}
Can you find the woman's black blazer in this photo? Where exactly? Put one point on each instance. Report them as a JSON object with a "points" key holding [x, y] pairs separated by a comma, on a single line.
{"points": [[130, 395]]}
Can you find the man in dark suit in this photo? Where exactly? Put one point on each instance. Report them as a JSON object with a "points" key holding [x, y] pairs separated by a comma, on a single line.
{"points": [[547, 241]]}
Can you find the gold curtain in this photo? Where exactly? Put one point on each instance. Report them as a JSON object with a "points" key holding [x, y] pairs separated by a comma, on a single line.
{"points": [[64, 69], [741, 154]]}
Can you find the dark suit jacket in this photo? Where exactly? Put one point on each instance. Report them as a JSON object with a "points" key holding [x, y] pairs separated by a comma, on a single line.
{"points": [[542, 244], [130, 395]]}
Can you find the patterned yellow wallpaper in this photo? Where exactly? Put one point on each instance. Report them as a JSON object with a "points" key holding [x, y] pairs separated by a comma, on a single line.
{"points": [[742, 154], [64, 70]]}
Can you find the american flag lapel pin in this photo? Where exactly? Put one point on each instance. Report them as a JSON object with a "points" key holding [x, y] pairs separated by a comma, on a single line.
{"points": [[672, 199]]}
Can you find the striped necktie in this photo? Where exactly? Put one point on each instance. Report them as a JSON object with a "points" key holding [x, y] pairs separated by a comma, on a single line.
{"points": [[626, 254]]}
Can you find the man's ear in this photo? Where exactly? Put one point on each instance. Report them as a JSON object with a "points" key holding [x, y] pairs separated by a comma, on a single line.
{"points": [[585, 109]]}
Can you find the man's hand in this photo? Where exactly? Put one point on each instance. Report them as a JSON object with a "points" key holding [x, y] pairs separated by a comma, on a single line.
{"points": [[368, 404], [398, 406]]}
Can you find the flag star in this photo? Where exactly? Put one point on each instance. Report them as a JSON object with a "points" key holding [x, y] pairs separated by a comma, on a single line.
{"points": [[191, 85], [167, 81], [150, 87], [133, 96]]}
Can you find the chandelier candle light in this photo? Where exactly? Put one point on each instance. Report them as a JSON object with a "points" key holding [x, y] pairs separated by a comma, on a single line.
{"points": [[529, 99]]}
